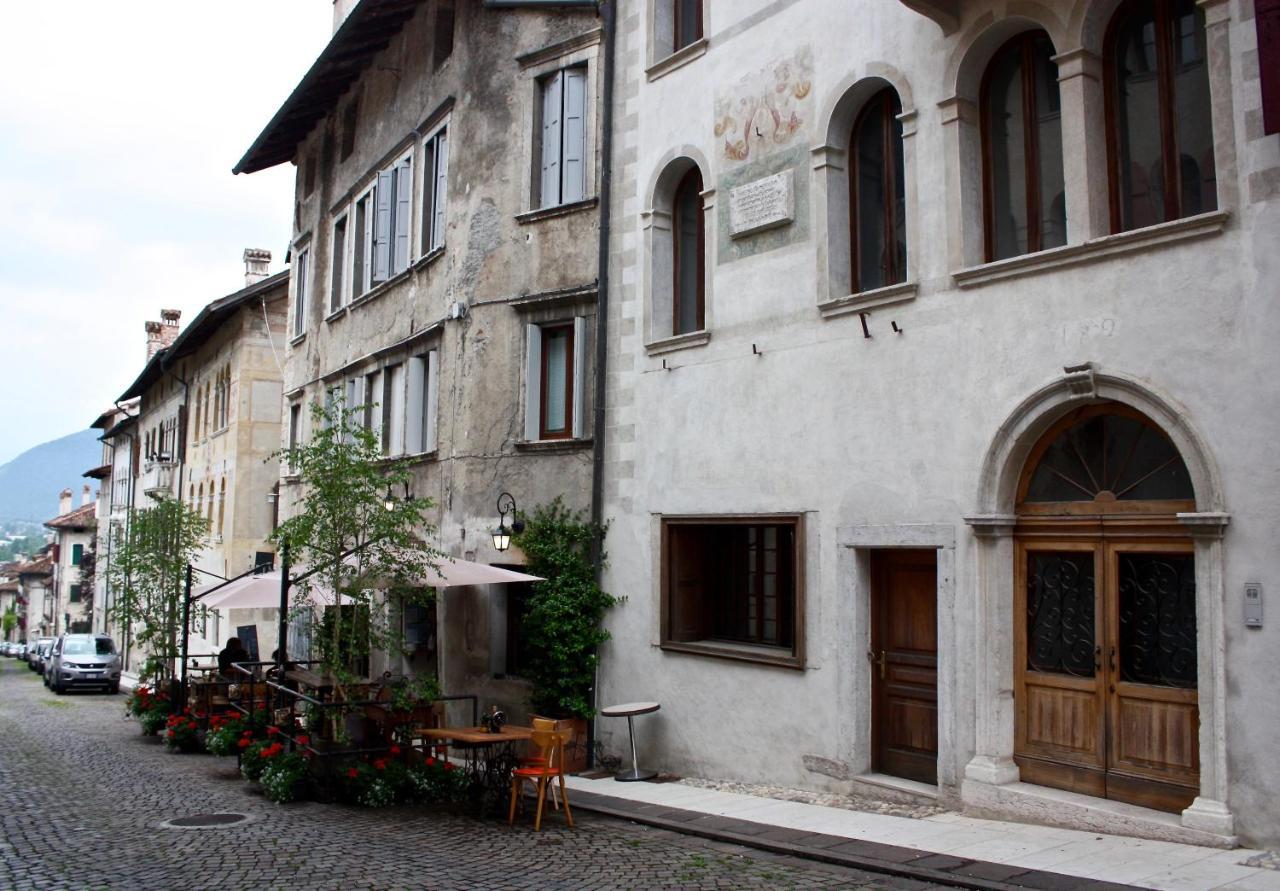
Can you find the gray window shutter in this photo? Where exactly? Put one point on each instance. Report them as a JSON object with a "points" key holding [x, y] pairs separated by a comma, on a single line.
{"points": [[575, 135], [415, 409], [433, 401], [551, 102], [442, 167], [532, 382], [404, 191], [579, 376], [382, 196]]}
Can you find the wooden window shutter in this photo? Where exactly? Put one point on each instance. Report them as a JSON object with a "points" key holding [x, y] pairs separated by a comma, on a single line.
{"points": [[382, 197], [532, 382], [415, 406], [689, 574], [429, 436], [441, 182], [404, 187], [551, 108], [574, 169], [579, 376], [1267, 15]]}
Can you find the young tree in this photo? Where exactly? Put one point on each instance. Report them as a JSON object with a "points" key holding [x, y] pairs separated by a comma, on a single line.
{"points": [[356, 542], [148, 569]]}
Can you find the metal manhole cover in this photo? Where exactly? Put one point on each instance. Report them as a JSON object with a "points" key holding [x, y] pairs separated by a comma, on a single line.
{"points": [[206, 821]]}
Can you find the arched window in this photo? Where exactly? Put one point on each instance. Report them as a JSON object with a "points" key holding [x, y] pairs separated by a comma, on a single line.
{"points": [[1023, 194], [1158, 114], [877, 196], [688, 242]]}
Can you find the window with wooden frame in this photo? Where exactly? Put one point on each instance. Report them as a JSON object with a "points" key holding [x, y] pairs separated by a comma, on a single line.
{"points": [[435, 157], [442, 36], [733, 587], [688, 249], [301, 281], [1159, 120], [877, 195], [555, 375], [687, 19], [338, 249], [561, 167], [1024, 198]]}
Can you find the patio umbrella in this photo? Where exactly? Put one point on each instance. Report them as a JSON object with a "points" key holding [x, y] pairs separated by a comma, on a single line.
{"points": [[455, 573], [257, 592]]}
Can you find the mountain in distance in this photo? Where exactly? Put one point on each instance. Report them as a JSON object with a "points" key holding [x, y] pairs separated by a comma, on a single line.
{"points": [[30, 483]]}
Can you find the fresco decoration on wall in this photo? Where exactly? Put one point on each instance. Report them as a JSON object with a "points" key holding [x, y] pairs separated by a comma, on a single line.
{"points": [[766, 109]]}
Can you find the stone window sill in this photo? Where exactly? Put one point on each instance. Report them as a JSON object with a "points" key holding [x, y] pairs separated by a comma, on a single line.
{"points": [[427, 259], [380, 288], [297, 339], [864, 300], [336, 314], [679, 342], [735, 652], [553, 446], [1190, 228], [560, 210], [678, 59]]}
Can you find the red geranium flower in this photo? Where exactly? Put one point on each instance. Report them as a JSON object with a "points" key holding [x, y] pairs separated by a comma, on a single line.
{"points": [[304, 740], [244, 743], [380, 765], [448, 765], [353, 773], [272, 731], [431, 762], [395, 750]]}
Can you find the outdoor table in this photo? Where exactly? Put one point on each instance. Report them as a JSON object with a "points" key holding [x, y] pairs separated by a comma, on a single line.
{"points": [[629, 710], [492, 757]]}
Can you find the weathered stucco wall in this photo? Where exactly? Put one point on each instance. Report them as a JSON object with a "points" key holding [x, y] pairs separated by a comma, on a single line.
{"points": [[891, 431]]}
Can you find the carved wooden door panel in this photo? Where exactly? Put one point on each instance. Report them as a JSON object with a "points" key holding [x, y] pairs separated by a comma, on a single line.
{"points": [[904, 663]]}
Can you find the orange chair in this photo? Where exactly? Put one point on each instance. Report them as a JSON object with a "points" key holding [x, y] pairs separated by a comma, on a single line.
{"points": [[539, 760], [550, 746]]}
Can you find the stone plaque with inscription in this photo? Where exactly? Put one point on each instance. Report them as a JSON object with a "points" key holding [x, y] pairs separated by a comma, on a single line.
{"points": [[761, 204]]}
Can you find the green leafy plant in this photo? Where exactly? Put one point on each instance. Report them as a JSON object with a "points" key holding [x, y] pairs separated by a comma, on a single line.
{"points": [[414, 692], [283, 775], [223, 734], [254, 757], [563, 615], [150, 555], [343, 530], [436, 782], [182, 733], [152, 709]]}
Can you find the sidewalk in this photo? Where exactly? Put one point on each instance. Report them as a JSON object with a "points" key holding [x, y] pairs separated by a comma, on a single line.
{"points": [[947, 848]]}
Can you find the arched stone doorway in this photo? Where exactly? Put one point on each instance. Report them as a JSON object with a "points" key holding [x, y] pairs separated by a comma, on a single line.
{"points": [[1104, 618]]}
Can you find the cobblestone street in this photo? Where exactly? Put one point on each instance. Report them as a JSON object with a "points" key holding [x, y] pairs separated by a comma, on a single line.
{"points": [[84, 794]]}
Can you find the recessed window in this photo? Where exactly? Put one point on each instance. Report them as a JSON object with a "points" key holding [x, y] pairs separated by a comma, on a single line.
{"points": [[443, 37], [337, 283], [562, 143], [688, 242], [75, 594], [350, 117], [554, 380], [422, 400], [731, 586], [381, 246], [393, 410], [360, 240], [434, 190], [1024, 201], [688, 22], [877, 196], [301, 280], [1158, 112], [77, 554]]}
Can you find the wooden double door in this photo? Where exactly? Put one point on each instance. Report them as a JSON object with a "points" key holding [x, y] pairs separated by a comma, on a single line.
{"points": [[1105, 671], [904, 663]]}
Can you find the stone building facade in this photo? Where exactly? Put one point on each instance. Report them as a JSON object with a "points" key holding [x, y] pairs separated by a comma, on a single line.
{"points": [[75, 532], [444, 260], [940, 404]]}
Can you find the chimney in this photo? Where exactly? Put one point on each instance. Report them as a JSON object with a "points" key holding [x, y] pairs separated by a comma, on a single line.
{"points": [[342, 9], [84, 496], [256, 261], [64, 502], [161, 334]]}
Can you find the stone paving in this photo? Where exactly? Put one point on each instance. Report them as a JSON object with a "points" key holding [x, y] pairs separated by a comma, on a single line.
{"points": [[83, 794]]}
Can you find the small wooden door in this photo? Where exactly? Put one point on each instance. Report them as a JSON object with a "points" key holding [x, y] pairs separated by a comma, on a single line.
{"points": [[904, 663]]}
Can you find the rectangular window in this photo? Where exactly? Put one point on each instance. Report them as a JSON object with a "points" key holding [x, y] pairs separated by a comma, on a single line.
{"points": [[77, 554], [389, 234], [295, 429], [75, 593], [688, 22], [300, 283], [555, 373], [562, 141], [393, 410], [443, 32], [371, 410], [339, 247], [422, 399], [732, 587], [361, 238], [435, 167]]}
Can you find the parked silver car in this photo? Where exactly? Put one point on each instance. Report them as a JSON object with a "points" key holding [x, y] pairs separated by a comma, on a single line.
{"points": [[83, 660], [36, 651]]}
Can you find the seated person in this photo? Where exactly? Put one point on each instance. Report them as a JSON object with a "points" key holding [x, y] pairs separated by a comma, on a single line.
{"points": [[234, 651]]}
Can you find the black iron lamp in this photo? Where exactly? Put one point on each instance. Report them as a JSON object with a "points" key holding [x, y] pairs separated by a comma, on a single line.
{"points": [[389, 501], [502, 535]]}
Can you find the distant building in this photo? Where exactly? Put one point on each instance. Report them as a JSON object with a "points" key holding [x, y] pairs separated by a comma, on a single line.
{"points": [[35, 594], [75, 534]]}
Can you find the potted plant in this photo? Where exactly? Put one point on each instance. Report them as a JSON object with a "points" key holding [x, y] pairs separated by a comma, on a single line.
{"points": [[562, 619]]}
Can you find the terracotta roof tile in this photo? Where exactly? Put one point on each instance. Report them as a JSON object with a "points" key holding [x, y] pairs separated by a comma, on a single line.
{"points": [[80, 518]]}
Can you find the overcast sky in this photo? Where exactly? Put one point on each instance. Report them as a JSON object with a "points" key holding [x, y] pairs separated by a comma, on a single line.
{"points": [[119, 126]]}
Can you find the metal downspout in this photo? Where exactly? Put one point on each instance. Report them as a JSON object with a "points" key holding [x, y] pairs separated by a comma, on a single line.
{"points": [[608, 20]]}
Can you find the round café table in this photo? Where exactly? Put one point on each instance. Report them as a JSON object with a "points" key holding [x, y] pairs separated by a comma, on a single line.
{"points": [[629, 710]]}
